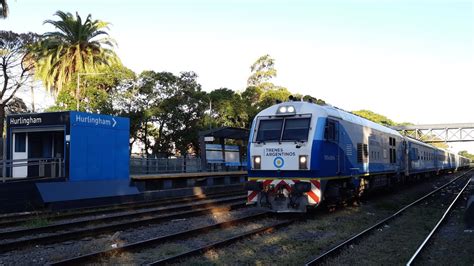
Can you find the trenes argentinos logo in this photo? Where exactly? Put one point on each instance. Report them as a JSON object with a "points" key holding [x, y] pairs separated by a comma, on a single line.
{"points": [[25, 120], [278, 162]]}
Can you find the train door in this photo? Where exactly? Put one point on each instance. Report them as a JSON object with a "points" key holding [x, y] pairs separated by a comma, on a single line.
{"points": [[331, 152], [20, 155]]}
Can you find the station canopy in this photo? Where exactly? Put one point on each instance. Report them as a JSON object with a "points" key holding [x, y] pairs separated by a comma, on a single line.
{"points": [[226, 133]]}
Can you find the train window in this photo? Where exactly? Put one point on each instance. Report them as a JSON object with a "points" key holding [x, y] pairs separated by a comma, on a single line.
{"points": [[269, 130], [296, 129]]}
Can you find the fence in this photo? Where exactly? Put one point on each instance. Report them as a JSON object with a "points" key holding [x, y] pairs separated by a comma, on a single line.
{"points": [[31, 168], [54, 167], [140, 166], [164, 165]]}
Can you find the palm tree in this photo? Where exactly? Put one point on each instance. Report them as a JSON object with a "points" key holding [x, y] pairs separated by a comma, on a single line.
{"points": [[76, 47], [3, 9]]}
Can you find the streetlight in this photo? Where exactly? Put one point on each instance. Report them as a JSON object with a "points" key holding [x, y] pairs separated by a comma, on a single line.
{"points": [[77, 88]]}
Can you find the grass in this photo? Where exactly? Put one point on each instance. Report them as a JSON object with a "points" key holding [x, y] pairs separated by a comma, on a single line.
{"points": [[387, 206], [37, 222]]}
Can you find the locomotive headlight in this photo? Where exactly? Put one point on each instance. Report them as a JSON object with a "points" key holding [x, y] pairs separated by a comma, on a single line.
{"points": [[286, 110], [257, 160], [303, 162]]}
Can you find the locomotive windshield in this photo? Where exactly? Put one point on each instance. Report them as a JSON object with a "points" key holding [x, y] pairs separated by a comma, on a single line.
{"points": [[269, 130], [293, 129], [296, 129]]}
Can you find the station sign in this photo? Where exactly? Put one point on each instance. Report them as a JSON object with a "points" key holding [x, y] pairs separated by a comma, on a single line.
{"points": [[35, 120], [94, 120], [97, 120], [66, 119]]}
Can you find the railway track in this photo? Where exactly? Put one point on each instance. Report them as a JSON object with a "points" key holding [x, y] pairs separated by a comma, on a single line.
{"points": [[104, 255], [354, 239], [12, 240], [23, 218], [426, 241]]}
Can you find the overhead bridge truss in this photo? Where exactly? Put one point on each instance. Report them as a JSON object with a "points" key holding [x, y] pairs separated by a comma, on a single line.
{"points": [[439, 132]]}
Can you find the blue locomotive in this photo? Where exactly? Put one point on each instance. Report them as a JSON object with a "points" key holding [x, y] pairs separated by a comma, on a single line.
{"points": [[301, 153]]}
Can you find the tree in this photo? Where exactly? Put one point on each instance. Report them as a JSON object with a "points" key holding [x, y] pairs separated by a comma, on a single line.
{"points": [[186, 108], [228, 109], [315, 100], [268, 98], [16, 66], [251, 98], [76, 47], [96, 90], [3, 9], [127, 102], [374, 117], [467, 155], [171, 108], [262, 71]]}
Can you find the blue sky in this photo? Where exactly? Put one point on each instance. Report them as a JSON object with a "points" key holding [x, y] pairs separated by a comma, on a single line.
{"points": [[412, 60]]}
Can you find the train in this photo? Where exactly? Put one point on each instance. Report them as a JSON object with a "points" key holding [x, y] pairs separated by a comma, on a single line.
{"points": [[301, 154]]}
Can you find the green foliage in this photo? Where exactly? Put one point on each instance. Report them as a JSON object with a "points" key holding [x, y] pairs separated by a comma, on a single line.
{"points": [[261, 93], [381, 119], [467, 155], [16, 67], [374, 117], [263, 70], [77, 47], [94, 90], [37, 222], [225, 108], [315, 100], [165, 110], [269, 97]]}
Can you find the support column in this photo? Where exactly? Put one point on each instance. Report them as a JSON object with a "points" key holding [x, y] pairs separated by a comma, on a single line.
{"points": [[202, 147]]}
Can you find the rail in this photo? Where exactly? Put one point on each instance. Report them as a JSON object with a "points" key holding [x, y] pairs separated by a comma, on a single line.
{"points": [[336, 249], [435, 228]]}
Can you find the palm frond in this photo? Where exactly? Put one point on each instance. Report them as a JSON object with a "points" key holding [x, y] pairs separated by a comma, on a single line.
{"points": [[76, 46]]}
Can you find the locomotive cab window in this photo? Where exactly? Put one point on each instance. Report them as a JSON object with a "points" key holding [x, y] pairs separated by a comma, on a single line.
{"points": [[296, 129], [269, 130]]}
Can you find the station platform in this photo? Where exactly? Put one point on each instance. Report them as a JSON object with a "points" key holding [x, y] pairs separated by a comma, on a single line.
{"points": [[187, 175], [18, 195], [181, 180], [22, 194]]}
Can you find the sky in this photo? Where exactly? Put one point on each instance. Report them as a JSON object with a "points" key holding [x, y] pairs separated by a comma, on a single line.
{"points": [[410, 60]]}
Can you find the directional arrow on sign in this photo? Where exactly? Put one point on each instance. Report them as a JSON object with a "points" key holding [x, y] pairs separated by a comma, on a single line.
{"points": [[115, 122]]}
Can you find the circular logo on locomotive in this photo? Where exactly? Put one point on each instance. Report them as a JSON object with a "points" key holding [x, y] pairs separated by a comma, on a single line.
{"points": [[278, 162]]}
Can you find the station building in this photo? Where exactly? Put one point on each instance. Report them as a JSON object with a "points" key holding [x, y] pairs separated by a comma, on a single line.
{"points": [[64, 156], [74, 145]]}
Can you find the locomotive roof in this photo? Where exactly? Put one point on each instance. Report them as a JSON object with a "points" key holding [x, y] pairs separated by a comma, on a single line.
{"points": [[330, 111]]}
